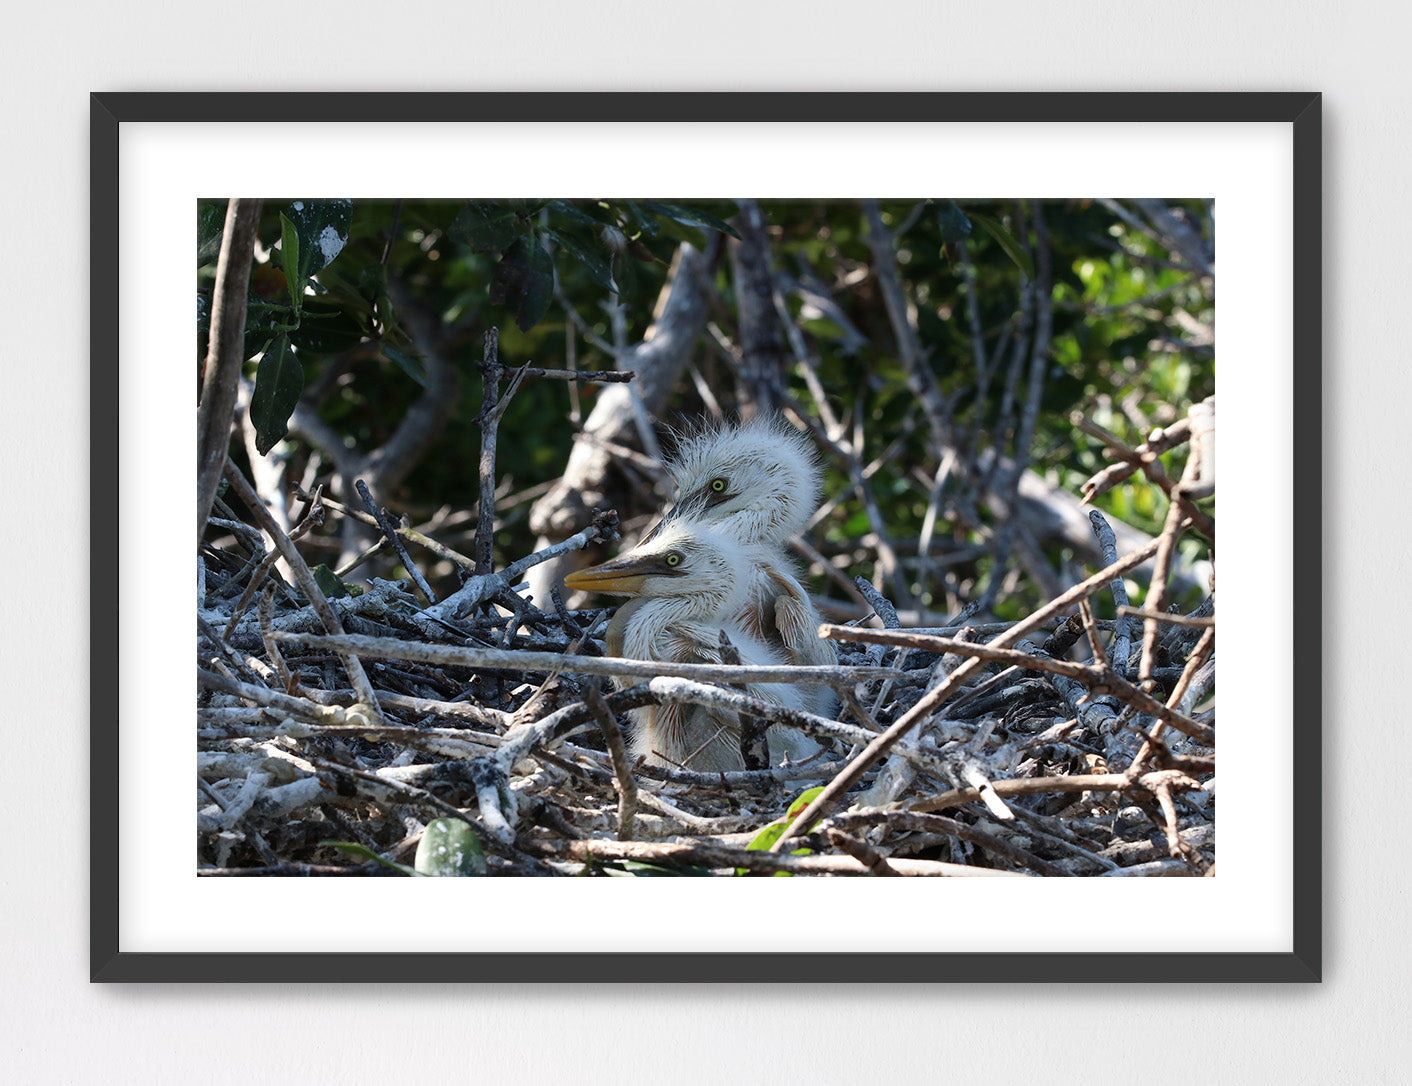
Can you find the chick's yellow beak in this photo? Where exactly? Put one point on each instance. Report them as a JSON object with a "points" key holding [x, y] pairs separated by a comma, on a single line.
{"points": [[619, 577]]}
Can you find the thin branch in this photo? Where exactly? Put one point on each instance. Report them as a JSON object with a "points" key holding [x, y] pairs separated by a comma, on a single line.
{"points": [[489, 418], [513, 660], [389, 532]]}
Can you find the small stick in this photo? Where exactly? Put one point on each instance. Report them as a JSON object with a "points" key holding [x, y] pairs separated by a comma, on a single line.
{"points": [[487, 586], [622, 772], [411, 534], [389, 532], [873, 861], [883, 608], [599, 376], [1120, 649], [1166, 616], [1202, 484], [1145, 459], [1157, 592], [973, 775], [1095, 644], [266, 613]]}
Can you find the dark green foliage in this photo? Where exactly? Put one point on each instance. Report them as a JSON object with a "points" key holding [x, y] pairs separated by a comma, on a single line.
{"points": [[952, 221], [1121, 349], [486, 227], [525, 275], [1007, 241]]}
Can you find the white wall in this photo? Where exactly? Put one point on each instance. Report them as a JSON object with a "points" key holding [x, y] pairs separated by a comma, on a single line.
{"points": [[54, 1026]]}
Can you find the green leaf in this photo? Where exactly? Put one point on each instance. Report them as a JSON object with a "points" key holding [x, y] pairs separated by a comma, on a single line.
{"points": [[324, 226], [450, 848], [689, 216], [325, 329], [352, 848], [806, 797], [772, 833], [1007, 241], [278, 382], [353, 298], [680, 232], [526, 275], [952, 221], [641, 221], [328, 582], [591, 213], [289, 259], [587, 258], [409, 364], [823, 328], [263, 321], [486, 227], [624, 273], [312, 233]]}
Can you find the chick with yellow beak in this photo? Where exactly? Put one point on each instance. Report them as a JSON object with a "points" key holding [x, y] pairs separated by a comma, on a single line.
{"points": [[688, 585], [758, 483]]}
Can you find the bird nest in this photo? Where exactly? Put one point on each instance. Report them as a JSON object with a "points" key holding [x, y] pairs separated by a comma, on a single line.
{"points": [[340, 733]]}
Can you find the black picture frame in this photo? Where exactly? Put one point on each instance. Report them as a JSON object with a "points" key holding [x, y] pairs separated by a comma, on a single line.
{"points": [[109, 962]]}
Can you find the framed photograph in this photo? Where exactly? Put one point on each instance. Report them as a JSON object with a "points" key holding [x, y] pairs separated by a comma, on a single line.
{"points": [[599, 492]]}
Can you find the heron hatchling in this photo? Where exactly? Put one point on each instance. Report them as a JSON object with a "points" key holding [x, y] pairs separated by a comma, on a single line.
{"points": [[759, 483], [689, 584]]}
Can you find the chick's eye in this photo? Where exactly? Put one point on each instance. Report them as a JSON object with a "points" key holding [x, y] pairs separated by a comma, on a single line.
{"points": [[718, 486], [673, 559]]}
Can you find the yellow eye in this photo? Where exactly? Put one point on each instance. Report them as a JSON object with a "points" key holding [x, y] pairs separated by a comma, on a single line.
{"points": [[673, 559], [718, 486]]}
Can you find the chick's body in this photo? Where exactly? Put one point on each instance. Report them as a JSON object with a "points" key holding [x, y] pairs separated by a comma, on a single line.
{"points": [[758, 484], [689, 586]]}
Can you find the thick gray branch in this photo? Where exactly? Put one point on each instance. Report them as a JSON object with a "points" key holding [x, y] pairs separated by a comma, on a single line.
{"points": [[226, 352]]}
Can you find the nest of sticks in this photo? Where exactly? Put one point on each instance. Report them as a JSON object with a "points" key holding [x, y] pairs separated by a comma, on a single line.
{"points": [[334, 729]]}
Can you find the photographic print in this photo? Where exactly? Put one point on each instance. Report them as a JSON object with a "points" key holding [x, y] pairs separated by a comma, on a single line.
{"points": [[660, 533], [882, 450]]}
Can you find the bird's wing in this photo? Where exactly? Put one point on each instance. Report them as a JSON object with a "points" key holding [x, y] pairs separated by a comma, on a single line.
{"points": [[694, 643], [798, 622]]}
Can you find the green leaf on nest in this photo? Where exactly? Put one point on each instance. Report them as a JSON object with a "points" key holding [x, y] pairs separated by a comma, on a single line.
{"points": [[450, 848]]}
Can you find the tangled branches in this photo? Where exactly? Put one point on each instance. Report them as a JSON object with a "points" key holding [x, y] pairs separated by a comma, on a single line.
{"points": [[1060, 745]]}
